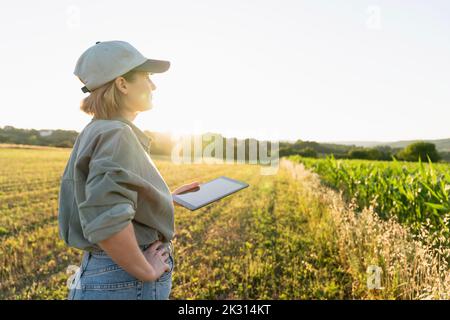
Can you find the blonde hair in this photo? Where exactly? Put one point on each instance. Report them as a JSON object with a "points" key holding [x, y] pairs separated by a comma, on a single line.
{"points": [[105, 102]]}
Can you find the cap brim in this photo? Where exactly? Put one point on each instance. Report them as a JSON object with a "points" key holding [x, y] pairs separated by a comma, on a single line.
{"points": [[154, 66]]}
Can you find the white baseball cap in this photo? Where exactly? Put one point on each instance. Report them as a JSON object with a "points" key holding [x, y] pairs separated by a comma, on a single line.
{"points": [[105, 61]]}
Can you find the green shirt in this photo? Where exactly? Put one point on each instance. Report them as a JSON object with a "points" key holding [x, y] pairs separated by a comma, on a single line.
{"points": [[109, 181]]}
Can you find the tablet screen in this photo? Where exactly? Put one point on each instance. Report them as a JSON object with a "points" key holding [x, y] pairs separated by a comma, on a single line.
{"points": [[209, 192]]}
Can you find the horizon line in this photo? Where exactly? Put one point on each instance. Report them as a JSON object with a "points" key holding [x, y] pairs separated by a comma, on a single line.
{"points": [[290, 140]]}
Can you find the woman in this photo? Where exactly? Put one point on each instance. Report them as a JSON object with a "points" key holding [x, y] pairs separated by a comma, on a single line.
{"points": [[113, 202]]}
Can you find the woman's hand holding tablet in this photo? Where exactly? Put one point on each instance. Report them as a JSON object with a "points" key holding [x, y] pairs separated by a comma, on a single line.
{"points": [[194, 196]]}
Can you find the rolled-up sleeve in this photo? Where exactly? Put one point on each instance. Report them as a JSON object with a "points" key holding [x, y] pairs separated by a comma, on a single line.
{"points": [[110, 198]]}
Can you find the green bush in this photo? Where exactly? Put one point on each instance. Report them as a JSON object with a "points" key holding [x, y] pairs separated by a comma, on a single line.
{"points": [[419, 150]]}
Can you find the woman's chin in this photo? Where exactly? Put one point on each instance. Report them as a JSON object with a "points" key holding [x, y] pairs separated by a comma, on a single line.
{"points": [[149, 106]]}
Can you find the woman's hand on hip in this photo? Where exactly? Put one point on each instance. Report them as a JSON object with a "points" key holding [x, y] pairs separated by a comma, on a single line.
{"points": [[158, 258]]}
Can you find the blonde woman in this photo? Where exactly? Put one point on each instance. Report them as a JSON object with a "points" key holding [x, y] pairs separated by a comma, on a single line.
{"points": [[113, 202]]}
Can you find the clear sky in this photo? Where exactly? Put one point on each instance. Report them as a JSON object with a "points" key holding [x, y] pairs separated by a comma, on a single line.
{"points": [[312, 70]]}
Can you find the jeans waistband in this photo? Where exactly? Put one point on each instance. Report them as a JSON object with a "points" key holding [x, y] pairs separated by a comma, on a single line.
{"points": [[142, 247]]}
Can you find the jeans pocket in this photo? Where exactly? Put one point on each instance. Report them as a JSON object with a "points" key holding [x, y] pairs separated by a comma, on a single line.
{"points": [[111, 291], [109, 283], [107, 276]]}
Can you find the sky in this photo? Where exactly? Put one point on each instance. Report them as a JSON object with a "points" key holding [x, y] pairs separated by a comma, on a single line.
{"points": [[312, 70]]}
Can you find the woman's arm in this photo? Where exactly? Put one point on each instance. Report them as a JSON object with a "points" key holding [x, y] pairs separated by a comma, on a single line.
{"points": [[123, 248]]}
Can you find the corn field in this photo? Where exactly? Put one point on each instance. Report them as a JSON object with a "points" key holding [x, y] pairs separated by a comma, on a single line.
{"points": [[416, 193]]}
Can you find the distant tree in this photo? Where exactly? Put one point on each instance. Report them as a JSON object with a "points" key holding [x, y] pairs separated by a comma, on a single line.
{"points": [[365, 153], [308, 152], [64, 144], [161, 143], [415, 150], [358, 153], [385, 152], [286, 151], [33, 139]]}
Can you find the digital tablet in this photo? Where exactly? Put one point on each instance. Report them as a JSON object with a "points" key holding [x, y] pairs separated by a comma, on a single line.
{"points": [[209, 192]]}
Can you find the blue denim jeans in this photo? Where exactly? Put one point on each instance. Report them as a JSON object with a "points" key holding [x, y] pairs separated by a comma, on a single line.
{"points": [[100, 278]]}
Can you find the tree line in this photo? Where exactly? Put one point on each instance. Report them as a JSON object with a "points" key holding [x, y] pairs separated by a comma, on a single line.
{"points": [[162, 144], [412, 152]]}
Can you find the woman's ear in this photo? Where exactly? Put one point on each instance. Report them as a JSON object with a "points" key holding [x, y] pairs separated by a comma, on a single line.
{"points": [[121, 84]]}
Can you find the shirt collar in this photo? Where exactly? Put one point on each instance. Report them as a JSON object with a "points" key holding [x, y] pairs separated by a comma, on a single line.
{"points": [[143, 138]]}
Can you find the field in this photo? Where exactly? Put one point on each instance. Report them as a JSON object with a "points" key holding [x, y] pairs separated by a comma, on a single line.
{"points": [[413, 192], [287, 236]]}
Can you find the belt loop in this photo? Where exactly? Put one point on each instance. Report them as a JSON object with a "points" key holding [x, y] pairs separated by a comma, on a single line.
{"points": [[85, 260], [171, 247]]}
